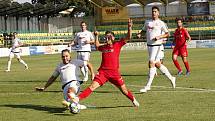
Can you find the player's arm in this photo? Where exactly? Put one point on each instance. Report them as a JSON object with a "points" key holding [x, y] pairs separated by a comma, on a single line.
{"points": [[90, 67], [188, 36], [164, 28], [97, 43], [129, 33], [48, 83]]}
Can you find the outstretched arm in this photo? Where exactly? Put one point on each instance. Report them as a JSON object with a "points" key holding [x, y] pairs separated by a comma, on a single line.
{"points": [[129, 34], [48, 83]]}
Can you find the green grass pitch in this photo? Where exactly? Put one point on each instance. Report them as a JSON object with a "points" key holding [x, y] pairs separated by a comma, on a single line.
{"points": [[192, 100]]}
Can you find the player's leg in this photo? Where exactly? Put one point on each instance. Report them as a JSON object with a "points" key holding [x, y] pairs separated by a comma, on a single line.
{"points": [[70, 91], [175, 61], [98, 81], [11, 55], [85, 56], [119, 82], [153, 52], [186, 64], [88, 91], [20, 60]]}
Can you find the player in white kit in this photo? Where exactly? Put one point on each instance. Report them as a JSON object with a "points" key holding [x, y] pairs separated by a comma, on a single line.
{"points": [[83, 41], [15, 50], [69, 75], [156, 31]]}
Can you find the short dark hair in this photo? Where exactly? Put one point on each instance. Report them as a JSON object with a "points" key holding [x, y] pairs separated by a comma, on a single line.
{"points": [[155, 7], [178, 19], [109, 32], [83, 22], [65, 50]]}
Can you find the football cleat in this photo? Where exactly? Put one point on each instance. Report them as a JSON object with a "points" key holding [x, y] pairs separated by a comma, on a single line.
{"points": [[145, 89]]}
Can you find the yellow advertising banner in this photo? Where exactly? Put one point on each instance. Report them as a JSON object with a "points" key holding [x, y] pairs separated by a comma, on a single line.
{"points": [[114, 13]]}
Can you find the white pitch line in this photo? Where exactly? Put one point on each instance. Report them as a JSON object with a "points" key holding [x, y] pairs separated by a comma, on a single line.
{"points": [[197, 89]]}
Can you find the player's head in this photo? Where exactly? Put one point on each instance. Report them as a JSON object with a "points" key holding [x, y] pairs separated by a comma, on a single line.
{"points": [[155, 12], [65, 55], [15, 34], [109, 37], [12, 37], [83, 26], [179, 22]]}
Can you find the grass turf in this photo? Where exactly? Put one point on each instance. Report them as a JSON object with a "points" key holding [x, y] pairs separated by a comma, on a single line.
{"points": [[192, 100]]}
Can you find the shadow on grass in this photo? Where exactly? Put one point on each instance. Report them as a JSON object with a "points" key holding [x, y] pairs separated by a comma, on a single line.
{"points": [[48, 109]]}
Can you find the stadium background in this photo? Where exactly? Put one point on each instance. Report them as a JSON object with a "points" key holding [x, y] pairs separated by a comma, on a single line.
{"points": [[43, 24]]}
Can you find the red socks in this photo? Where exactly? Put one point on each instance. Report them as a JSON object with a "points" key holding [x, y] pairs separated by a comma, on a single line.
{"points": [[130, 96], [187, 66], [85, 93], [177, 65]]}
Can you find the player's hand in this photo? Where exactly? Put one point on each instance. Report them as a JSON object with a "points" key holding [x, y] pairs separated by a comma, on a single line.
{"points": [[157, 38], [138, 35], [92, 76], [87, 42], [96, 33], [39, 89]]}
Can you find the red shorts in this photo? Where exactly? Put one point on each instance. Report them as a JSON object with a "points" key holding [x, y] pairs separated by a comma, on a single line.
{"points": [[112, 76], [182, 51]]}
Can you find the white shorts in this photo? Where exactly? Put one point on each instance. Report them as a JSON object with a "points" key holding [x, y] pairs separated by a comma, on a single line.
{"points": [[161, 55], [85, 56], [155, 53], [17, 54], [73, 84]]}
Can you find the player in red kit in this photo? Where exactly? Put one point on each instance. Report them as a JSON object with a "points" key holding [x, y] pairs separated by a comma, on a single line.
{"points": [[109, 68], [181, 36]]}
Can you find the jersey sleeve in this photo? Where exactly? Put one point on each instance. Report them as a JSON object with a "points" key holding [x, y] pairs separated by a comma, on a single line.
{"points": [[56, 73], [122, 42], [186, 33], [164, 28], [144, 26]]}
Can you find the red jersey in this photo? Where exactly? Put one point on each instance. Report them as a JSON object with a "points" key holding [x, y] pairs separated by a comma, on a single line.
{"points": [[180, 36], [110, 55]]}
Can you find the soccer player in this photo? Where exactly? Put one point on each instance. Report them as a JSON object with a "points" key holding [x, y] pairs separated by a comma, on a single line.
{"points": [[181, 36], [156, 31], [68, 70], [109, 68], [15, 50], [83, 41]]}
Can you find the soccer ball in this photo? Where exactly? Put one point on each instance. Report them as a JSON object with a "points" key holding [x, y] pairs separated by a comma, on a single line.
{"points": [[73, 107]]}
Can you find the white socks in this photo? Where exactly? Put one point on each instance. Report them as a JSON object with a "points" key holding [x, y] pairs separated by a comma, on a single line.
{"points": [[84, 71], [8, 65], [165, 71], [23, 62], [151, 76]]}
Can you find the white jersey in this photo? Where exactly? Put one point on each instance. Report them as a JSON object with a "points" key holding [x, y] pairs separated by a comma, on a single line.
{"points": [[154, 28], [69, 71], [81, 38], [15, 45]]}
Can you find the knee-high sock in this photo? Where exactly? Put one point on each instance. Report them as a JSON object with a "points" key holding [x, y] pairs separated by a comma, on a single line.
{"points": [[151, 76], [177, 65], [85, 93], [84, 71], [165, 71], [8, 65], [23, 62], [187, 66], [130, 96]]}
